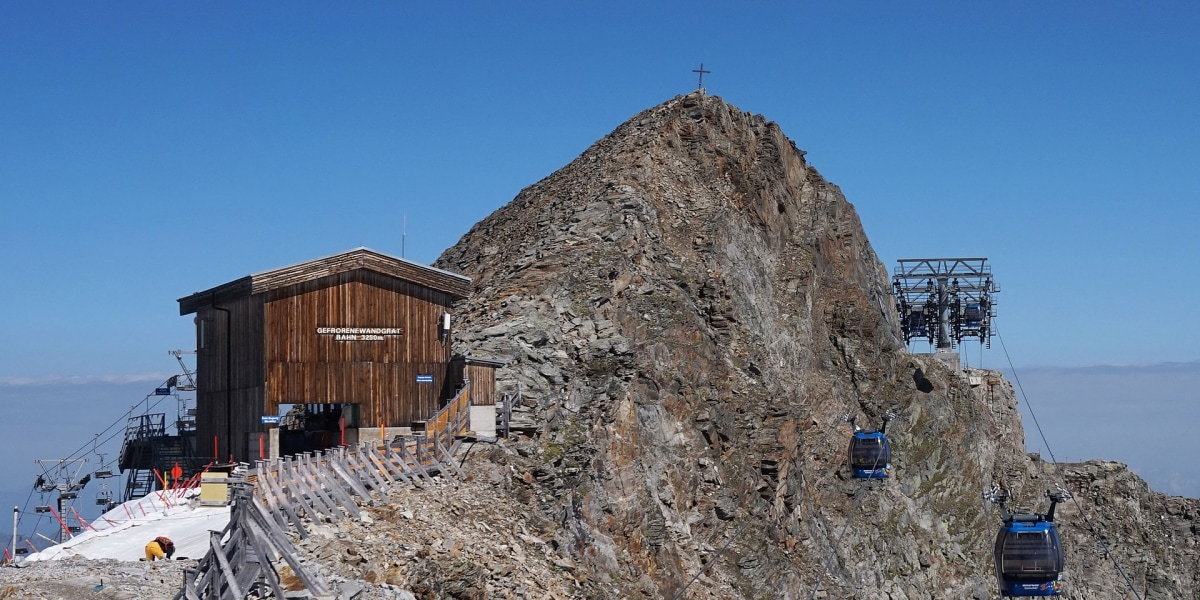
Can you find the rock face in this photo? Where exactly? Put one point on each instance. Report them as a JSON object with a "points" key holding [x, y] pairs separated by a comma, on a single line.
{"points": [[689, 309]]}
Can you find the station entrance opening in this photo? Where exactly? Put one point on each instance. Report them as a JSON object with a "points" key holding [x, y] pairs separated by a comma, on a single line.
{"points": [[315, 427]]}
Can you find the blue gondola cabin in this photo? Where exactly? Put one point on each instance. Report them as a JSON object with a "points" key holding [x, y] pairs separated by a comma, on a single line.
{"points": [[1029, 554], [1029, 558], [870, 455]]}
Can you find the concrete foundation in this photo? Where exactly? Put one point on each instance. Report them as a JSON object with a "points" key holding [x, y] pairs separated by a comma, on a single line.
{"points": [[483, 420]]}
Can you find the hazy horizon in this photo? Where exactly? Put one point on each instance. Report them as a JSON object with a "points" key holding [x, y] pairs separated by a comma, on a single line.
{"points": [[1137, 415]]}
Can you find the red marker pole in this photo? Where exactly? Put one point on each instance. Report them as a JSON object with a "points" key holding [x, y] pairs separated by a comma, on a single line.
{"points": [[80, 519], [61, 522]]}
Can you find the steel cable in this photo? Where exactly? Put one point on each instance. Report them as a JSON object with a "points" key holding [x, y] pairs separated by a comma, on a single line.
{"points": [[858, 496], [1095, 532]]}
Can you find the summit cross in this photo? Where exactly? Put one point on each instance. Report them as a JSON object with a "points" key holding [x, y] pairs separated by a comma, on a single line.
{"points": [[701, 71]]}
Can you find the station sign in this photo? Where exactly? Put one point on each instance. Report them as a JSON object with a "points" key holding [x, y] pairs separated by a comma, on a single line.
{"points": [[360, 334], [164, 391], [270, 419], [424, 378]]}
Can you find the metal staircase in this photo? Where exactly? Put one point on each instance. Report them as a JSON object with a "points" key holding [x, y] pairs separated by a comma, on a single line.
{"points": [[147, 449]]}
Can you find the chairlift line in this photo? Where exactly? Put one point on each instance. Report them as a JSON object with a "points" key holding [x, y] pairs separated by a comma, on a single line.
{"points": [[1028, 554], [105, 469], [869, 449]]}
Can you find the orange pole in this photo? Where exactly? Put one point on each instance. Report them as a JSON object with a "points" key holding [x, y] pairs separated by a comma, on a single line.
{"points": [[81, 521], [61, 522], [262, 450], [215, 455], [343, 431], [195, 479]]}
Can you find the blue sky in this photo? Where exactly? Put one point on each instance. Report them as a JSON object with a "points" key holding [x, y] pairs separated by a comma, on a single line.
{"points": [[151, 150]]}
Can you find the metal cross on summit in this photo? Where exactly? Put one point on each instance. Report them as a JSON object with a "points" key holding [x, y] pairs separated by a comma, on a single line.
{"points": [[701, 71]]}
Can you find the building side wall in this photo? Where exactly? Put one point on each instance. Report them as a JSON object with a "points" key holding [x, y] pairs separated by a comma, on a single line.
{"points": [[307, 367], [230, 374], [483, 384]]}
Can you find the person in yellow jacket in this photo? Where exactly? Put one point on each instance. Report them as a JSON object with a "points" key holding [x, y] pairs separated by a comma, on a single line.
{"points": [[160, 547]]}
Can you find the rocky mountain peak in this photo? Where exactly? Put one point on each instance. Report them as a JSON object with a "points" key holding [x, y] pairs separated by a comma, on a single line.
{"points": [[689, 309]]}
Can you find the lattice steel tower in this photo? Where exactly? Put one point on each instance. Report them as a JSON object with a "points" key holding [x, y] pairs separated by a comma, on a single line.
{"points": [[945, 300]]}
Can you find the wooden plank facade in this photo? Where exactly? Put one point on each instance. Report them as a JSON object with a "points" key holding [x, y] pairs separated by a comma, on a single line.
{"points": [[360, 328], [481, 373]]}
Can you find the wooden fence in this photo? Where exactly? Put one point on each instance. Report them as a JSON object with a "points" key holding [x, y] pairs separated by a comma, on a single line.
{"points": [[506, 405], [239, 561], [319, 486], [453, 419]]}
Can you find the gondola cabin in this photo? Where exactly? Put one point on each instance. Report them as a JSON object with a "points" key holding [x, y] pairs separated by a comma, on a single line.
{"points": [[1029, 557], [915, 323], [973, 316], [870, 455]]}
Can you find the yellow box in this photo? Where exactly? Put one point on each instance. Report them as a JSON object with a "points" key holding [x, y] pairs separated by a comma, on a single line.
{"points": [[214, 489]]}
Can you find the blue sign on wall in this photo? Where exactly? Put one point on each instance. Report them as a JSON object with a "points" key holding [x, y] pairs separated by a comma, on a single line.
{"points": [[270, 419], [162, 391], [424, 378]]}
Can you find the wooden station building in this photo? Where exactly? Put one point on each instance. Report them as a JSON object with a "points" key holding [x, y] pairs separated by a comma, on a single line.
{"points": [[359, 338]]}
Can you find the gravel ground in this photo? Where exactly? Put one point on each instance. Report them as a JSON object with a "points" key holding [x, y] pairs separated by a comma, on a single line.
{"points": [[72, 579]]}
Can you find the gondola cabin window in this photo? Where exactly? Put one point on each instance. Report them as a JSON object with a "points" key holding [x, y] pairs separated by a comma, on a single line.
{"points": [[870, 452], [1031, 552]]}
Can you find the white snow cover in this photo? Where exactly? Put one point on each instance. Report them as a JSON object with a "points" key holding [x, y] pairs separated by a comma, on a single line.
{"points": [[123, 532]]}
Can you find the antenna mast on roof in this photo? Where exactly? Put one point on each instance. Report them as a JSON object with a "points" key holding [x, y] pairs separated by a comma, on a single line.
{"points": [[403, 232]]}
